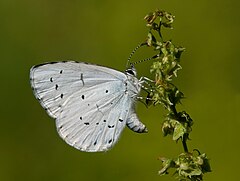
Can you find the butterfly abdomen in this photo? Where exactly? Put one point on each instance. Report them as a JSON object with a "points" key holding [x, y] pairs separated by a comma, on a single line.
{"points": [[135, 125]]}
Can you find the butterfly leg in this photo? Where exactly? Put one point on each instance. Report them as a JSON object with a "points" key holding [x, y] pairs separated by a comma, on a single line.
{"points": [[145, 100], [148, 82], [148, 88]]}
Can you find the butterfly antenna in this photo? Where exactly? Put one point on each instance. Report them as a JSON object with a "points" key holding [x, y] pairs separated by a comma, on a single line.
{"points": [[132, 53], [146, 59]]}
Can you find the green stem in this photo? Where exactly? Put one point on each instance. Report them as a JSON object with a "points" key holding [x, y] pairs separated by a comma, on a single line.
{"points": [[184, 143], [174, 110], [185, 136], [159, 31]]}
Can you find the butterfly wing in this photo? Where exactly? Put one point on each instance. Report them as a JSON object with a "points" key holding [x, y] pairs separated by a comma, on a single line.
{"points": [[87, 101], [98, 127], [53, 83]]}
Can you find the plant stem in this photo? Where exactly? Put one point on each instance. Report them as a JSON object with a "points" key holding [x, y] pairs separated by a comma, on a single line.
{"points": [[185, 136], [174, 110], [159, 31], [184, 143]]}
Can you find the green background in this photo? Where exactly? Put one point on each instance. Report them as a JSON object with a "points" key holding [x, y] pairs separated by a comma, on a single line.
{"points": [[105, 32]]}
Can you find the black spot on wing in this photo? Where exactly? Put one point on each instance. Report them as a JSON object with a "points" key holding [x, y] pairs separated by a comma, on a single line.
{"points": [[61, 71], [51, 79], [110, 126], [81, 78], [86, 123], [80, 118], [110, 141], [120, 120], [56, 86], [61, 95], [106, 91], [83, 96]]}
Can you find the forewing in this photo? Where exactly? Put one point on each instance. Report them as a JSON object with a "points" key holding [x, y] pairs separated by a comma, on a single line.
{"points": [[54, 83]]}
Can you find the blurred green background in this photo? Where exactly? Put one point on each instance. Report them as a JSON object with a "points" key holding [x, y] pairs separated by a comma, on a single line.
{"points": [[105, 32]]}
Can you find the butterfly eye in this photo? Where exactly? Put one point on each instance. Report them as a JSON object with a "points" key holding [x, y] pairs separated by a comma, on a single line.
{"points": [[131, 71]]}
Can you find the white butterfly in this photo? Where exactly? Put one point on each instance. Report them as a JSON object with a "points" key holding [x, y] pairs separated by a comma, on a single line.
{"points": [[91, 104]]}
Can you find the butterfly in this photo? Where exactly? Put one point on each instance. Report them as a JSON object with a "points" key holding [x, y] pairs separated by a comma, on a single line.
{"points": [[91, 104]]}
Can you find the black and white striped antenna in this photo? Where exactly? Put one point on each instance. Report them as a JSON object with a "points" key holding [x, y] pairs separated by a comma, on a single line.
{"points": [[140, 61], [143, 60], [132, 53]]}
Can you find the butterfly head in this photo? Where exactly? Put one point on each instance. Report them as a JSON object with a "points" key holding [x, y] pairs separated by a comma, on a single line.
{"points": [[131, 71]]}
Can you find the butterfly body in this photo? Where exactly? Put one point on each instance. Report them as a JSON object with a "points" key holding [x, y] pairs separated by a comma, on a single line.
{"points": [[91, 104]]}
